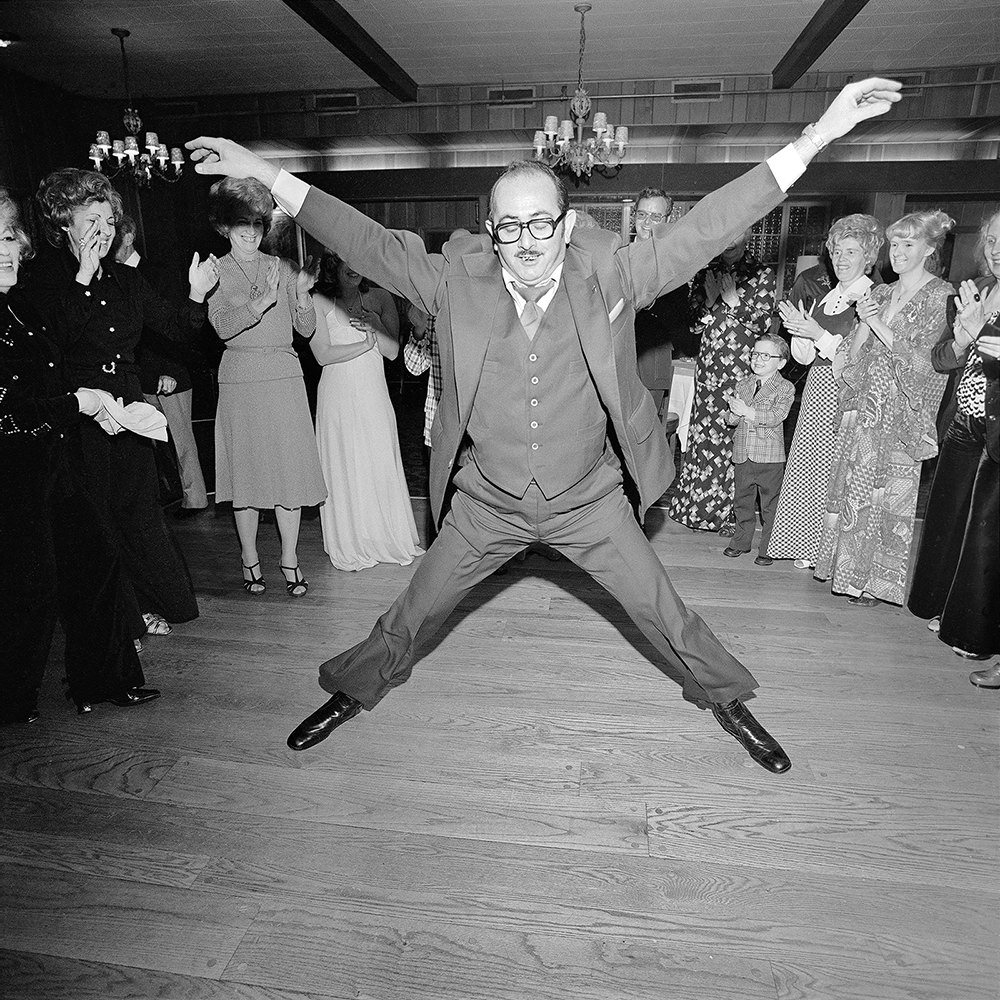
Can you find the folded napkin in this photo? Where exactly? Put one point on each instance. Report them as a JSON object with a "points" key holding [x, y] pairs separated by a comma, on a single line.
{"points": [[140, 418]]}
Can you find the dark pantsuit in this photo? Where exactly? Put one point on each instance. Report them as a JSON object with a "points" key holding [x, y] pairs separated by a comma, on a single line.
{"points": [[483, 529], [957, 575], [119, 473], [753, 478]]}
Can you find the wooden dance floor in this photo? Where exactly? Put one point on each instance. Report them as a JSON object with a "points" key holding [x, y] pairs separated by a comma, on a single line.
{"points": [[536, 815]]}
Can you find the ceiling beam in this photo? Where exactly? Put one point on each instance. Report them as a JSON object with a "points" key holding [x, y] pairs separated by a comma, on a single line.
{"points": [[826, 24], [337, 26]]}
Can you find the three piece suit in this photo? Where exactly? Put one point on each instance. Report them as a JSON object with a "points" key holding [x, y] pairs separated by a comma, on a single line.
{"points": [[533, 435]]}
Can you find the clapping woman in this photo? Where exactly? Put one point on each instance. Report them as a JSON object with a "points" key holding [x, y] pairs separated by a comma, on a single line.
{"points": [[956, 582], [57, 556], [265, 446], [820, 316], [889, 399], [96, 308]]}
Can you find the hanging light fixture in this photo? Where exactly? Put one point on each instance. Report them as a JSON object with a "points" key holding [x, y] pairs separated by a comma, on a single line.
{"points": [[561, 148], [143, 162]]}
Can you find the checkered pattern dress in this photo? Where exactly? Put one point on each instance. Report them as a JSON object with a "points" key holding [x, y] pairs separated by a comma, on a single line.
{"points": [[799, 518], [702, 495]]}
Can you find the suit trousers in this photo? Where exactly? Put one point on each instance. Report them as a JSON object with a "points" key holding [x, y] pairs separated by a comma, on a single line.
{"points": [[751, 478], [480, 533], [176, 407]]}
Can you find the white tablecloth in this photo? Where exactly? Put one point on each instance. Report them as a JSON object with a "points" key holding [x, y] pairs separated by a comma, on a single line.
{"points": [[681, 397]]}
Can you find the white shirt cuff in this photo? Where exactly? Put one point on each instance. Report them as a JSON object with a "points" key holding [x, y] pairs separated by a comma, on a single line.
{"points": [[290, 192], [786, 165], [803, 350], [826, 346]]}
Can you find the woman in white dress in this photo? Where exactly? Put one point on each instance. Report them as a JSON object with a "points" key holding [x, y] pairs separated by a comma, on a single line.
{"points": [[367, 517]]}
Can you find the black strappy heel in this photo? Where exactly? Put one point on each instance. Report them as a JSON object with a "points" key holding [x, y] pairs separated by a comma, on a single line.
{"points": [[297, 587], [255, 585]]}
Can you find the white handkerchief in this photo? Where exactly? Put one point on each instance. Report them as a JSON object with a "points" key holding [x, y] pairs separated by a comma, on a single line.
{"points": [[613, 315], [140, 418]]}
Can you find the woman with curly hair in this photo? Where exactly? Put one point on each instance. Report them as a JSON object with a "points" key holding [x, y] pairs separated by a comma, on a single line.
{"points": [[56, 555], [265, 446], [95, 308], [820, 317], [889, 400], [956, 582]]}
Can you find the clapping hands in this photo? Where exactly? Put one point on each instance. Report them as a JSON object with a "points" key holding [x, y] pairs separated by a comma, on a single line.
{"points": [[799, 321]]}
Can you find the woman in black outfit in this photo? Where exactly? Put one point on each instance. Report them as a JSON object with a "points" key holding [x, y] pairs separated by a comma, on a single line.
{"points": [[956, 582], [95, 309], [55, 554]]}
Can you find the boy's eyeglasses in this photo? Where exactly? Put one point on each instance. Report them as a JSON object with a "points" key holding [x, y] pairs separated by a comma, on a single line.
{"points": [[762, 355]]}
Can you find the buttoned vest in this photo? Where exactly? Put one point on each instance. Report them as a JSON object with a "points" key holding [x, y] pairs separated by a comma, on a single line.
{"points": [[536, 414]]}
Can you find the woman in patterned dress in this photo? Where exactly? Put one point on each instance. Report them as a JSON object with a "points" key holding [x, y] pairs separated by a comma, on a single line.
{"points": [[956, 582], [733, 299], [889, 401], [265, 447], [820, 318]]}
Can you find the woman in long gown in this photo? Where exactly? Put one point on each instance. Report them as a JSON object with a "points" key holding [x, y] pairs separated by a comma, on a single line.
{"points": [[820, 317], [733, 299], [889, 402], [367, 517], [956, 582], [265, 447]]}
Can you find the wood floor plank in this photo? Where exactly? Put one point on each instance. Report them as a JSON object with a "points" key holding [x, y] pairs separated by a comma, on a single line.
{"points": [[906, 836], [100, 858], [352, 955], [419, 806], [121, 923], [32, 976]]}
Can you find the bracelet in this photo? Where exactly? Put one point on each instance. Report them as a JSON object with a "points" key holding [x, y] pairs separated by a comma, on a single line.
{"points": [[811, 133]]}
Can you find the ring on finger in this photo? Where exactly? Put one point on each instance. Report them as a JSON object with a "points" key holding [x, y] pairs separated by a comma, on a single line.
{"points": [[976, 297]]}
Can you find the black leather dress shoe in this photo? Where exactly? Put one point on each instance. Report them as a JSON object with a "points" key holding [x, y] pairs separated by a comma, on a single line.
{"points": [[737, 720], [732, 553], [339, 709], [763, 561]]}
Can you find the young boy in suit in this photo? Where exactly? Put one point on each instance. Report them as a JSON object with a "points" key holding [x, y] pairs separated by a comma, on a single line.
{"points": [[757, 409]]}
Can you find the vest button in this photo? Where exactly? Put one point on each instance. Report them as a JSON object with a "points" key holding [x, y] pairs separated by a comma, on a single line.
{"points": [[534, 424], [534, 447], [534, 402], [532, 357], [534, 380]]}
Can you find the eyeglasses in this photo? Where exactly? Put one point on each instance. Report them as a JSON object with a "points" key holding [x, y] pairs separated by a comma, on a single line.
{"points": [[762, 355], [541, 229], [655, 217]]}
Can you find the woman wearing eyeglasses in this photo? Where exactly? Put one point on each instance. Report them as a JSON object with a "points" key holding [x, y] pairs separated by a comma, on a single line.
{"points": [[821, 318], [889, 400], [732, 299], [367, 517]]}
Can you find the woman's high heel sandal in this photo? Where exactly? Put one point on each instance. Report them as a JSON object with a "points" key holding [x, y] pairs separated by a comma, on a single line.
{"points": [[255, 585], [298, 585]]}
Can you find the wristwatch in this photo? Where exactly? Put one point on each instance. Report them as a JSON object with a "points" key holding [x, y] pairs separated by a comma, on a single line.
{"points": [[812, 134]]}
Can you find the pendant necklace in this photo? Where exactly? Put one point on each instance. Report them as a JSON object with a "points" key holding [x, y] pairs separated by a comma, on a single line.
{"points": [[254, 288]]}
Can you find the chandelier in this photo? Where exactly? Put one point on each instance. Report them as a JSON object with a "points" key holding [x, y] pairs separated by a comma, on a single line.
{"points": [[144, 163], [556, 144]]}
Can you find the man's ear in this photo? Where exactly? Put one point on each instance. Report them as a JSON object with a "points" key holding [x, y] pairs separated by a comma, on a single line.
{"points": [[569, 223]]}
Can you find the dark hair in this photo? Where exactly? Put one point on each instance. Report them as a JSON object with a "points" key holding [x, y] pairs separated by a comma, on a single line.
{"points": [[328, 282], [126, 226], [779, 342], [236, 199], [519, 167], [930, 226], [655, 193], [64, 191], [11, 215]]}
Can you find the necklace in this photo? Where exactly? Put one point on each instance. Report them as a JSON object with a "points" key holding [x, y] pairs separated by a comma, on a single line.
{"points": [[254, 288]]}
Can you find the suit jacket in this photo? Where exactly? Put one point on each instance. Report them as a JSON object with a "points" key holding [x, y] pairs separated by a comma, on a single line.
{"points": [[463, 288], [944, 360], [764, 439]]}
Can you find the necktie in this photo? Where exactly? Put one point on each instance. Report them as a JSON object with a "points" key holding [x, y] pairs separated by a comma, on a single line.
{"points": [[759, 383], [531, 315]]}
